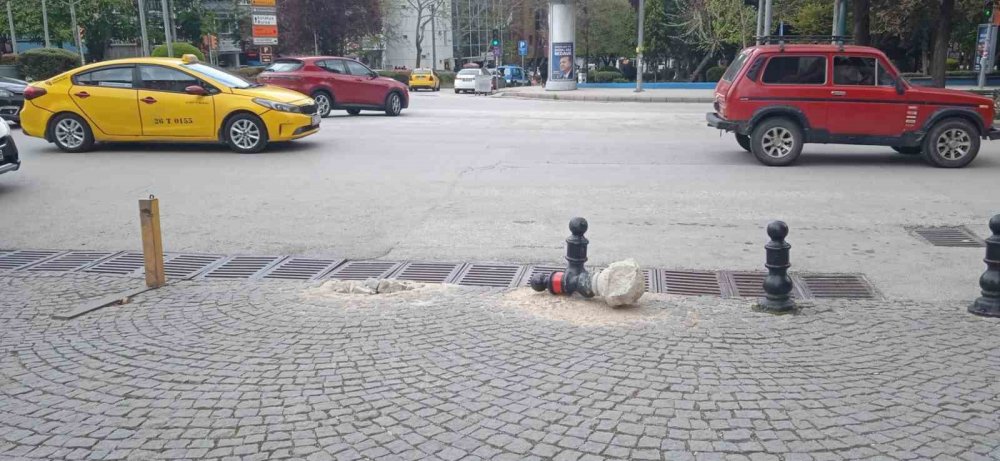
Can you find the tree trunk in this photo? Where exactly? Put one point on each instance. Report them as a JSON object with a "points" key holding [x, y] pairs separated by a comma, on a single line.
{"points": [[942, 35], [862, 26], [704, 62], [418, 38]]}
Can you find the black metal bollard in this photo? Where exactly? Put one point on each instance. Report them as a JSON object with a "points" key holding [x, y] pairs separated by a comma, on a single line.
{"points": [[988, 305], [777, 285], [575, 279]]}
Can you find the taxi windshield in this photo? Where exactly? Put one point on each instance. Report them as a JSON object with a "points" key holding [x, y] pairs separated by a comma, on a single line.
{"points": [[221, 76]]}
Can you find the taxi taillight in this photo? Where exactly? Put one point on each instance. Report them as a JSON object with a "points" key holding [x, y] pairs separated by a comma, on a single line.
{"points": [[32, 92]]}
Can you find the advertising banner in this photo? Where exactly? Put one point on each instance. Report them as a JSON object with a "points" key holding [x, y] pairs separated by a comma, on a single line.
{"points": [[563, 61]]}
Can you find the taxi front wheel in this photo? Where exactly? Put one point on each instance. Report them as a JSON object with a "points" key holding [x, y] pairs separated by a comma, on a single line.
{"points": [[246, 134], [71, 133]]}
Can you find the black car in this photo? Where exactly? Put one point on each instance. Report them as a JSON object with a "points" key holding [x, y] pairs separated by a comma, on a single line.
{"points": [[9, 160], [11, 98]]}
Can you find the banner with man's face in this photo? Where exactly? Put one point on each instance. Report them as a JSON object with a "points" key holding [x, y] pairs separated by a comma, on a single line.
{"points": [[563, 67]]}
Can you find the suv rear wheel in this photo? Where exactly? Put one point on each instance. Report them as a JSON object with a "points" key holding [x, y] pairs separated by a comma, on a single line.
{"points": [[776, 141], [744, 141], [952, 143]]}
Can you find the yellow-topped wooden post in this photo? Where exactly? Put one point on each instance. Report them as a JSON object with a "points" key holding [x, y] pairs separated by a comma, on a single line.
{"points": [[152, 244]]}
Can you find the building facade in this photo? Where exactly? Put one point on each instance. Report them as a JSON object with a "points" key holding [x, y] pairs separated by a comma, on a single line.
{"points": [[400, 48]]}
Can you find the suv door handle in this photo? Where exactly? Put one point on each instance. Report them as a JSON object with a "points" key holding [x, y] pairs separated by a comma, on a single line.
{"points": [[82, 95], [838, 93], [148, 100]]}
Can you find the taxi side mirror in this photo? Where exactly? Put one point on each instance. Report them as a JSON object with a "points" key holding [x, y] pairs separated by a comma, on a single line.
{"points": [[196, 90]]}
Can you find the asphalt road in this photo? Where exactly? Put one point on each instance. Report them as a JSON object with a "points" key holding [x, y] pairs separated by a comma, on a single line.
{"points": [[461, 178]]}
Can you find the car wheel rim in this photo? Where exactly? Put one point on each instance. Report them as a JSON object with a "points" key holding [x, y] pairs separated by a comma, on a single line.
{"points": [[322, 104], [778, 142], [245, 134], [70, 133], [394, 103], [954, 144]]}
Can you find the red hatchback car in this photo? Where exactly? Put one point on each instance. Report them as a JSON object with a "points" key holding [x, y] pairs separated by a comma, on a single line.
{"points": [[778, 97], [338, 83]]}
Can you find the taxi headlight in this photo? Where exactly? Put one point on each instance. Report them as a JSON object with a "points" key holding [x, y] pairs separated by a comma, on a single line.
{"points": [[279, 106]]}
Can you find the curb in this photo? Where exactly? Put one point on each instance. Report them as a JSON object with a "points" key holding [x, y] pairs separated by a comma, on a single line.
{"points": [[589, 98]]}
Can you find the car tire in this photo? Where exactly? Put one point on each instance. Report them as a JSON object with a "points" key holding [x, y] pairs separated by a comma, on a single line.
{"points": [[908, 150], [245, 133], [777, 141], [744, 141], [393, 104], [324, 103], [354, 111], [71, 133], [951, 143]]}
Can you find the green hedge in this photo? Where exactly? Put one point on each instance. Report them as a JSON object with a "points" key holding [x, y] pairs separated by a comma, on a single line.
{"points": [[44, 63], [447, 79], [604, 77], [402, 76], [8, 60], [713, 74], [180, 49]]}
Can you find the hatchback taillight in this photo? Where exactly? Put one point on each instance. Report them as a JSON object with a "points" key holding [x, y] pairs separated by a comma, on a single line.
{"points": [[32, 92]]}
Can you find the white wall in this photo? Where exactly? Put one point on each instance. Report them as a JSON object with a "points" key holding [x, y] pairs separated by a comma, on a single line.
{"points": [[400, 46]]}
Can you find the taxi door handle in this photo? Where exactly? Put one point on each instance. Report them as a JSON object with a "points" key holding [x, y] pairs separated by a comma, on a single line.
{"points": [[148, 100], [838, 93], [82, 95]]}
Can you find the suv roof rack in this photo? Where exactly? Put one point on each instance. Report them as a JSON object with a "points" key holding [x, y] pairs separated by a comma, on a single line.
{"points": [[781, 40]]}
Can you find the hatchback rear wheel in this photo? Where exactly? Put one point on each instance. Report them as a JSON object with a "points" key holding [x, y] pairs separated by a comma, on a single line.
{"points": [[777, 141], [952, 143]]}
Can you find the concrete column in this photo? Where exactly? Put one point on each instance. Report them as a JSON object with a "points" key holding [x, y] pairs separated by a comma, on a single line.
{"points": [[562, 45]]}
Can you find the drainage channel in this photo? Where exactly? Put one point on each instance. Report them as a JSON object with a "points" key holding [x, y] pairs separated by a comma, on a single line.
{"points": [[185, 266]]}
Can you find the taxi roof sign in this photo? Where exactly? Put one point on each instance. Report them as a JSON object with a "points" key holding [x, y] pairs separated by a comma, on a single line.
{"points": [[189, 59]]}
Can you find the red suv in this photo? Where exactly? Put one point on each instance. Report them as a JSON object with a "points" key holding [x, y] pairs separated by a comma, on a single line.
{"points": [[778, 97], [338, 83]]}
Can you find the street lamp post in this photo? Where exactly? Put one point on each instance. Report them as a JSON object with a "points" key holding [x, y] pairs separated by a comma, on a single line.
{"points": [[10, 22], [45, 24], [76, 30], [142, 28], [166, 28], [638, 49]]}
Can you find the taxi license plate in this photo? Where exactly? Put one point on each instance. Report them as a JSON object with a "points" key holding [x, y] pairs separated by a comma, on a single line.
{"points": [[316, 119]]}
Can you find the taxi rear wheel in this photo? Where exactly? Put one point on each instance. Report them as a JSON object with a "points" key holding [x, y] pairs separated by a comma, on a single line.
{"points": [[246, 134], [71, 133]]}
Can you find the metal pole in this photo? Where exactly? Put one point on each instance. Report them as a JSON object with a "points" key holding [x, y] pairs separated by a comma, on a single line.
{"points": [[767, 17], [166, 28], [842, 21], [45, 24], [315, 43], [10, 22], [76, 30], [434, 59], [836, 20], [142, 28], [983, 59], [760, 22], [638, 49]]}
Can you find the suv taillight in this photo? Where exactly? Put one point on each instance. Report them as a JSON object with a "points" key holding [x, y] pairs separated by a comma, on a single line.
{"points": [[32, 92]]}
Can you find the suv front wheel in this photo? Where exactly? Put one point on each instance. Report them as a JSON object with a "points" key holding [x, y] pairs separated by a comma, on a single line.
{"points": [[776, 141], [952, 143]]}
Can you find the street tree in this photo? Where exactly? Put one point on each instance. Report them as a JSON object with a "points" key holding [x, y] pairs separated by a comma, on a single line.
{"points": [[425, 11], [325, 26], [606, 30]]}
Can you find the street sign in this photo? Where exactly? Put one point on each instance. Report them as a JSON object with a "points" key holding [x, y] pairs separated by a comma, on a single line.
{"points": [[265, 40], [522, 47], [265, 58], [496, 51], [270, 3]]}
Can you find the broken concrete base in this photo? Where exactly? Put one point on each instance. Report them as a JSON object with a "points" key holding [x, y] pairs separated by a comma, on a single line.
{"points": [[620, 284]]}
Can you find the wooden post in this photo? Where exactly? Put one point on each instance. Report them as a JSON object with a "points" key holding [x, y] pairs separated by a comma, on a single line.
{"points": [[152, 245]]}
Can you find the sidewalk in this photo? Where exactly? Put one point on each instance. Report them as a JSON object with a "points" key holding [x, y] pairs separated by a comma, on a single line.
{"points": [[610, 95], [289, 370]]}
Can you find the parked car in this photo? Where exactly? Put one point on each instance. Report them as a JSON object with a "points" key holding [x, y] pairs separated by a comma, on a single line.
{"points": [[424, 78], [9, 160], [338, 84], [163, 99], [11, 98], [514, 76], [778, 97], [465, 80]]}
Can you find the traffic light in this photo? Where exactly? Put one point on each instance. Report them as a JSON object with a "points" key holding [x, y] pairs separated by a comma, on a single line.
{"points": [[496, 38], [988, 9]]}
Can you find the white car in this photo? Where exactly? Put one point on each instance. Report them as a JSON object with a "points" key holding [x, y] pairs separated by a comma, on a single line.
{"points": [[8, 150], [465, 80]]}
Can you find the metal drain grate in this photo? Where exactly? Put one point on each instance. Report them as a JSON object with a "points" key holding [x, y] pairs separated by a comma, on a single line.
{"points": [[957, 236], [242, 267], [185, 266], [429, 272], [751, 284], [361, 270], [650, 281], [302, 269], [71, 261], [532, 270], [490, 275], [123, 264], [837, 286], [18, 259], [692, 283]]}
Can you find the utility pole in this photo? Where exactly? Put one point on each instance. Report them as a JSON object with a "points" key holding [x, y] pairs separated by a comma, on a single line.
{"points": [[638, 49], [142, 28], [434, 60], [76, 30], [10, 22], [166, 28], [315, 43], [45, 24], [760, 22], [767, 18]]}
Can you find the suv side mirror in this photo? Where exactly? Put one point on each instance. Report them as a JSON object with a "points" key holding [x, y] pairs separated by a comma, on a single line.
{"points": [[900, 88]]}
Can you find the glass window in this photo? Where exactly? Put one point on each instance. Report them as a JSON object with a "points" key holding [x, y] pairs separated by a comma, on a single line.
{"points": [[735, 67], [334, 65], [158, 78], [219, 75], [468, 72], [113, 77], [284, 66], [795, 70], [356, 68], [885, 77], [853, 70]]}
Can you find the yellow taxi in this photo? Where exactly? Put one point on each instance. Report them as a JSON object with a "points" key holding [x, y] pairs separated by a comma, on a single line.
{"points": [[424, 78], [163, 99]]}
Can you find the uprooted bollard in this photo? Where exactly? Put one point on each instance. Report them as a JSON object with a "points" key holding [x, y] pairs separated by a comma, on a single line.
{"points": [[620, 284]]}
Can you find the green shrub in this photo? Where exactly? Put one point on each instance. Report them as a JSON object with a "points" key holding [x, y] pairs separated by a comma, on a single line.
{"points": [[8, 60], [952, 64], [621, 80], [180, 49], [402, 76], [447, 79], [249, 73], [608, 69], [603, 77], [43, 63], [713, 74]]}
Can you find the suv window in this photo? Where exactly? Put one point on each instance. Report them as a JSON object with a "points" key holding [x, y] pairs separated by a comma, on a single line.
{"points": [[795, 70], [333, 65], [284, 66], [854, 70], [884, 76], [112, 77], [735, 66], [356, 68], [158, 78]]}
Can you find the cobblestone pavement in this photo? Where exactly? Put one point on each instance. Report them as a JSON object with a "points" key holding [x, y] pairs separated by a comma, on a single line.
{"points": [[254, 370]]}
